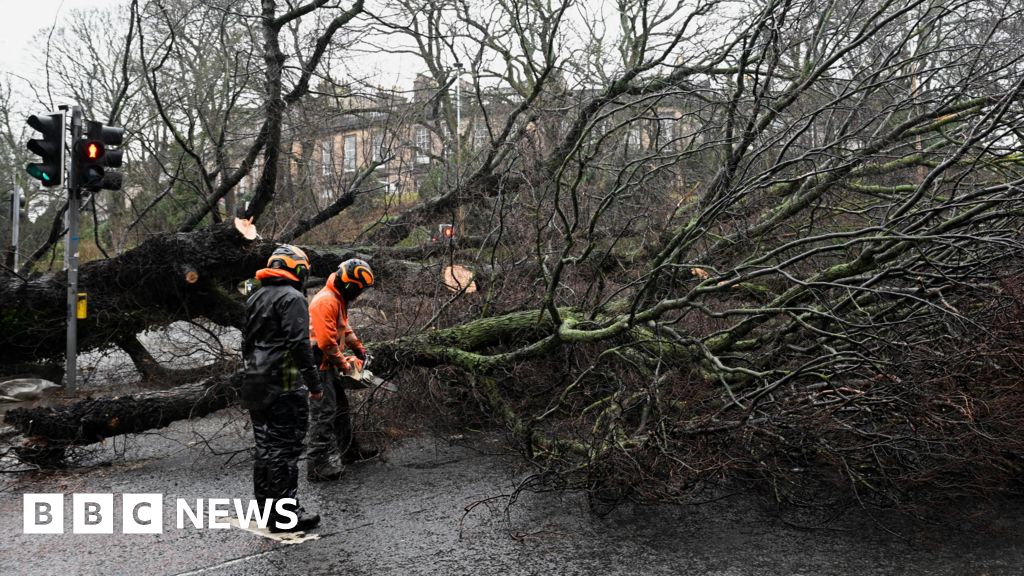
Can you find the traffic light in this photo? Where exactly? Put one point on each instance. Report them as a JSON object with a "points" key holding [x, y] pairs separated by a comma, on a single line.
{"points": [[49, 170], [96, 155]]}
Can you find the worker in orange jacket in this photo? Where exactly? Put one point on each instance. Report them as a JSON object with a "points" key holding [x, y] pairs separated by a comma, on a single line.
{"points": [[330, 426]]}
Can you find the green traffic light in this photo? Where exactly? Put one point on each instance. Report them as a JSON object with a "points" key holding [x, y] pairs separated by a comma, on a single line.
{"points": [[49, 169], [38, 173]]}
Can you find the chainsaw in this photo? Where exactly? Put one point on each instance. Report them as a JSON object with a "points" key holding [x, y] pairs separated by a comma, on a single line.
{"points": [[361, 379]]}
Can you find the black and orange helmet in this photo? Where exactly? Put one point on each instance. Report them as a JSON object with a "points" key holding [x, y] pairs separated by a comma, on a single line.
{"points": [[290, 259], [353, 277]]}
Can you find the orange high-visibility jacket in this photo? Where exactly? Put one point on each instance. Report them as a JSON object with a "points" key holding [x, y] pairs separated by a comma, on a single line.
{"points": [[328, 326]]}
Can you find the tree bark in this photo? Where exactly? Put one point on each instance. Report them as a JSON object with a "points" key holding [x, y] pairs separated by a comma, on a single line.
{"points": [[140, 289], [170, 277], [92, 420]]}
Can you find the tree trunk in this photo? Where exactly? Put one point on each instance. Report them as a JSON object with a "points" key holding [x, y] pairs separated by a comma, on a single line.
{"points": [[145, 287], [94, 419], [170, 277], [48, 431]]}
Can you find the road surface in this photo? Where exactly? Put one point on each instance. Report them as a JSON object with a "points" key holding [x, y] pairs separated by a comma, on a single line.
{"points": [[407, 516]]}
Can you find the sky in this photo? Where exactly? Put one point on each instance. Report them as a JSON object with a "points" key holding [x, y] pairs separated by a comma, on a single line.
{"points": [[23, 18]]}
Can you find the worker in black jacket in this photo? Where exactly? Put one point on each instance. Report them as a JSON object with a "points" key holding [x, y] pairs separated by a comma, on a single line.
{"points": [[276, 351]]}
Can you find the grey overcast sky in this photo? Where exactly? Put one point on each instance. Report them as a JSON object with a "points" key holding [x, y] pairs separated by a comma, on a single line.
{"points": [[23, 18]]}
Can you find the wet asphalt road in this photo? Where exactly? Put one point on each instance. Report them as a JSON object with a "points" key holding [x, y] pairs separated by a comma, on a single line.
{"points": [[407, 516]]}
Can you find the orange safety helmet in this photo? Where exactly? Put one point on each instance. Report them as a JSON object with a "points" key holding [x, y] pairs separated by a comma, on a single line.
{"points": [[353, 277], [290, 259]]}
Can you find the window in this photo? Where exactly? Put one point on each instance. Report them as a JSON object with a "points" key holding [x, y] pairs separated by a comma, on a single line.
{"points": [[633, 137], [378, 146], [422, 143], [388, 185], [326, 158], [667, 132], [481, 137], [349, 159]]}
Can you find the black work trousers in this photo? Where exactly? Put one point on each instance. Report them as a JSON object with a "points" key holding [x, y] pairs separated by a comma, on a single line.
{"points": [[279, 430], [330, 426]]}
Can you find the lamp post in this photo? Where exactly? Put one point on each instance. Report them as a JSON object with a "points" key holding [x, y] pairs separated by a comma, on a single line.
{"points": [[458, 113], [458, 133]]}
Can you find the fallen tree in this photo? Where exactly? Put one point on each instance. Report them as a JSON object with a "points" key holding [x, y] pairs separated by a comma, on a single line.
{"points": [[168, 278], [793, 260], [95, 419], [172, 277]]}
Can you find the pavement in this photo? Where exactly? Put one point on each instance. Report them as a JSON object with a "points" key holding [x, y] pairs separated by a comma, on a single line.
{"points": [[442, 506]]}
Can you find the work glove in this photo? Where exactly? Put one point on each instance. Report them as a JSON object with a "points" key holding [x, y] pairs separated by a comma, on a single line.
{"points": [[351, 365], [344, 366], [360, 352]]}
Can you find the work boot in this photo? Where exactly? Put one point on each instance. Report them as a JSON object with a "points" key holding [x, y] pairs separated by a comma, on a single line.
{"points": [[307, 521], [358, 454], [322, 470]]}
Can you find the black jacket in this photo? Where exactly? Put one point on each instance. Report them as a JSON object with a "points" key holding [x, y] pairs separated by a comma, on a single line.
{"points": [[275, 341]]}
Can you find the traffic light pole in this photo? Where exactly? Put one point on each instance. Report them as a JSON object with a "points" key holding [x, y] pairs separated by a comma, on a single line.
{"points": [[15, 223], [71, 250]]}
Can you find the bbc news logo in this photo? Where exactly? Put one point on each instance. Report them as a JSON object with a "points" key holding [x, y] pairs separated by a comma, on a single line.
{"points": [[144, 513]]}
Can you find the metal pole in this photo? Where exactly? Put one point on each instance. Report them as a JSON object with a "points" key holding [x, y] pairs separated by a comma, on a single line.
{"points": [[15, 223], [458, 138], [458, 119], [71, 249]]}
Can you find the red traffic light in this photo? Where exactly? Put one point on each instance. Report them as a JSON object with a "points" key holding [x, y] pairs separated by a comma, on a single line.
{"points": [[92, 150], [91, 158]]}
